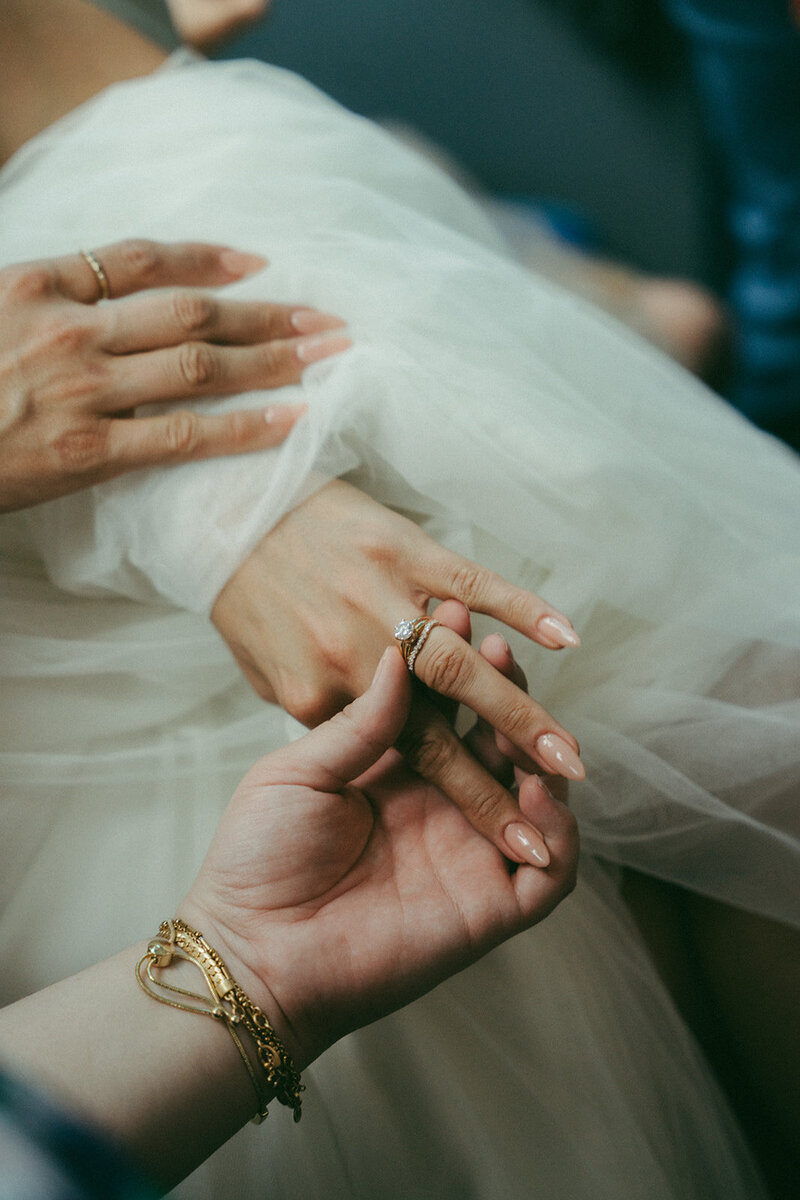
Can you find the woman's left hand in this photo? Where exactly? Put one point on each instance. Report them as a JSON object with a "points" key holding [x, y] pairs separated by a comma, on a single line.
{"points": [[335, 902], [308, 615]]}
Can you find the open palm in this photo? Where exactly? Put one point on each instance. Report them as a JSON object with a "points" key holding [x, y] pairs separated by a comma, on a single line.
{"points": [[335, 902]]}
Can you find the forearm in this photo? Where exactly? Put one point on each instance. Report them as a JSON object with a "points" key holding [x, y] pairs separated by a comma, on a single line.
{"points": [[169, 1086]]}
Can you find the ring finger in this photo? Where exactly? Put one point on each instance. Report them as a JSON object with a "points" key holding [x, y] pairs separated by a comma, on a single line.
{"points": [[430, 746], [158, 320], [447, 665], [201, 369]]}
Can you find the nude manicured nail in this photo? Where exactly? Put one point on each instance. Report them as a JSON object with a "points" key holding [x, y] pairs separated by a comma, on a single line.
{"points": [[314, 349], [237, 262], [308, 320], [284, 414], [542, 786], [559, 756], [558, 629], [382, 664], [527, 843]]}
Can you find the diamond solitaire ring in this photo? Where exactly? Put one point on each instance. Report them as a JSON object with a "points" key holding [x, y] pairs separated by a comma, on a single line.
{"points": [[412, 636]]}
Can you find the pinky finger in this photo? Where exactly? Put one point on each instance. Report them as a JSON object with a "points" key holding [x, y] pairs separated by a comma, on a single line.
{"points": [[185, 436], [539, 891]]}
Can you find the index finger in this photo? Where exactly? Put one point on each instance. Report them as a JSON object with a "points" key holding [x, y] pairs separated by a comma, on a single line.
{"points": [[431, 748], [539, 891], [447, 665], [449, 576], [136, 264]]}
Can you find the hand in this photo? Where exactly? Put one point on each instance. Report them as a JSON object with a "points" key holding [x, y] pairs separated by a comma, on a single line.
{"points": [[204, 22], [72, 372], [334, 902], [309, 613]]}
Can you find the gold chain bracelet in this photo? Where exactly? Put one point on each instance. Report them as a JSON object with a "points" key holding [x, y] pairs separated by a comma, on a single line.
{"points": [[231, 1005]]}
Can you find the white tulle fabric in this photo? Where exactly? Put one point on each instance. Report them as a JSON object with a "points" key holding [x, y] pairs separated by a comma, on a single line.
{"points": [[521, 428]]}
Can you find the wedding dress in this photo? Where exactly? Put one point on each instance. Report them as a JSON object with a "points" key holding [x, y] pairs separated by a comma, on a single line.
{"points": [[518, 426]]}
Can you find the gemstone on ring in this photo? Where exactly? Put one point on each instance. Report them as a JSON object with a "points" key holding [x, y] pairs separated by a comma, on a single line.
{"points": [[412, 635]]}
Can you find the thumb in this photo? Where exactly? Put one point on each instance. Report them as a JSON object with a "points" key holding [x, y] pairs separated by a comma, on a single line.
{"points": [[341, 749]]}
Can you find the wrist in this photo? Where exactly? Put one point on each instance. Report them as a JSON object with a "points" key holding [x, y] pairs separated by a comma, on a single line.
{"points": [[246, 967]]}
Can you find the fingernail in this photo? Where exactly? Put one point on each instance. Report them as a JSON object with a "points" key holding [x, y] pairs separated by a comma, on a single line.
{"points": [[559, 630], [309, 320], [313, 349], [542, 786], [284, 414], [559, 756], [237, 262], [380, 670], [525, 841]]}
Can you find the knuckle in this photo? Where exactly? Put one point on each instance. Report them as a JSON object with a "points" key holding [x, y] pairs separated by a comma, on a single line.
{"points": [[197, 364], [517, 606], [193, 312], [468, 583], [484, 807], [26, 281], [239, 428], [141, 259], [271, 361], [182, 433], [81, 449], [307, 704], [445, 668], [69, 336], [517, 719], [428, 752], [336, 653]]}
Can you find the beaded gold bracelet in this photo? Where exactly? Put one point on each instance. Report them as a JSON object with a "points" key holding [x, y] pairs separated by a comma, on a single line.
{"points": [[231, 1005]]}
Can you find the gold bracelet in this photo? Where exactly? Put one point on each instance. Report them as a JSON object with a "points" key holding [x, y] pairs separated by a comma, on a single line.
{"points": [[231, 1005]]}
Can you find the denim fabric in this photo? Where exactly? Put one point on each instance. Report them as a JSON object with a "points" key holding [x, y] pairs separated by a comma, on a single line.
{"points": [[747, 63], [526, 106], [46, 1155], [474, 77]]}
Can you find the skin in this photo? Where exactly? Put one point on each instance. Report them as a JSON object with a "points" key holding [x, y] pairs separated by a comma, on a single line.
{"points": [[202, 23], [309, 613], [337, 888], [43, 75], [73, 371]]}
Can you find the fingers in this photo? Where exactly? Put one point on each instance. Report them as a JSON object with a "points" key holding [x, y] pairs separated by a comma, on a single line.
{"points": [[455, 616], [446, 575], [482, 739], [187, 436], [497, 753], [134, 265], [539, 891], [447, 665], [341, 749], [171, 318], [431, 747], [198, 369]]}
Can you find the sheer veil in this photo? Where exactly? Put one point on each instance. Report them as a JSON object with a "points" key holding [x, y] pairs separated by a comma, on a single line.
{"points": [[520, 427]]}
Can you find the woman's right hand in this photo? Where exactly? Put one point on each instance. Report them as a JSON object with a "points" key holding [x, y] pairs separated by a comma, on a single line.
{"points": [[309, 613], [72, 371], [340, 886]]}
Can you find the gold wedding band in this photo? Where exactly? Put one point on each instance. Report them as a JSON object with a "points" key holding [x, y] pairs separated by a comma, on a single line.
{"points": [[92, 261], [412, 635]]}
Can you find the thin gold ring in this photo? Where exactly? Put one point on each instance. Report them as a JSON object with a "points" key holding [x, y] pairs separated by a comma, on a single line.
{"points": [[92, 261], [412, 634]]}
